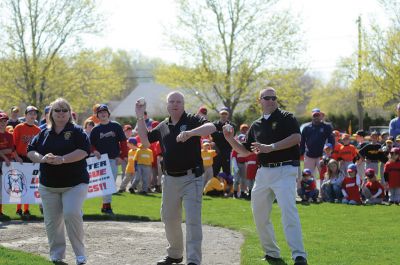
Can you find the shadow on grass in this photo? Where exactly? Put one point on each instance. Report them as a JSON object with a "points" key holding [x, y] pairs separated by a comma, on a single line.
{"points": [[116, 217], [277, 262]]}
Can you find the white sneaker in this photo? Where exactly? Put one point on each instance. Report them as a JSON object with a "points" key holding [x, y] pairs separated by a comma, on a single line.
{"points": [[81, 260]]}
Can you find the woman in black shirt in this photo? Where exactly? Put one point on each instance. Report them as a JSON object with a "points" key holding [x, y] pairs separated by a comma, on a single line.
{"points": [[62, 149]]}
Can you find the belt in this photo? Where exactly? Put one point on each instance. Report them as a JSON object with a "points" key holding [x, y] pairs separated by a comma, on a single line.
{"points": [[294, 163], [179, 173]]}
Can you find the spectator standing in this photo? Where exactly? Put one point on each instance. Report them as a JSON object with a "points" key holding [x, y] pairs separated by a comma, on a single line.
{"points": [[23, 134], [313, 138], [347, 153], [238, 162], [223, 158], [372, 152], [207, 154], [143, 160], [61, 150], [130, 167], [13, 120], [394, 125], [179, 137], [6, 149], [323, 163], [88, 126], [392, 175], [108, 138], [45, 120], [275, 138]]}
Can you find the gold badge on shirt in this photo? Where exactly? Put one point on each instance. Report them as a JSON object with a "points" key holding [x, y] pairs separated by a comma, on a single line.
{"points": [[67, 135], [273, 125]]}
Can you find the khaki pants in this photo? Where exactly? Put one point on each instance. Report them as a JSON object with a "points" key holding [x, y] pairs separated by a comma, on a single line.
{"points": [[279, 183], [64, 206], [187, 189], [208, 174]]}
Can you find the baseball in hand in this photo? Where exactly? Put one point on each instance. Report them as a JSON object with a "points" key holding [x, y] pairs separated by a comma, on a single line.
{"points": [[141, 101]]}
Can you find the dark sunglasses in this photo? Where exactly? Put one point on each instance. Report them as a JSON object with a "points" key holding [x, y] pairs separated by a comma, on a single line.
{"points": [[60, 110], [273, 98]]}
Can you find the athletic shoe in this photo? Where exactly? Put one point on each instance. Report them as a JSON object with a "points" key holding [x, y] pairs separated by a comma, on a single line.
{"points": [[80, 260], [169, 261], [19, 212], [270, 258], [300, 261], [132, 190], [142, 192], [27, 214], [108, 211]]}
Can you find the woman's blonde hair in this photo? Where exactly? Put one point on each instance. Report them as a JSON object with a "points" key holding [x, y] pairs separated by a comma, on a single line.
{"points": [[63, 102]]}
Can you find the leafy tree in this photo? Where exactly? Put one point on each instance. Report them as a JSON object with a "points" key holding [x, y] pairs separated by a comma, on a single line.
{"points": [[35, 35], [227, 47]]}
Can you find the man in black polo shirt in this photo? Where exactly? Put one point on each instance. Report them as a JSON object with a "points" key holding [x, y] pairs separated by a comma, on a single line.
{"points": [[275, 138], [179, 137], [223, 148]]}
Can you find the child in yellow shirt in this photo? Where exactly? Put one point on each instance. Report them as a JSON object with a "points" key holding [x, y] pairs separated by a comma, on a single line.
{"points": [[208, 155], [143, 159], [130, 167]]}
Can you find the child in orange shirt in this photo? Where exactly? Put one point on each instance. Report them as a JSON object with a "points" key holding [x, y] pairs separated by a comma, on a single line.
{"points": [[23, 134], [347, 153]]}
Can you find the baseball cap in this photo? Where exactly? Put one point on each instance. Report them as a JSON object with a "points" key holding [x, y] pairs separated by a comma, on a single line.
{"points": [[102, 107], [203, 110], [3, 116], [389, 141], [352, 168], [374, 133], [306, 172], [14, 109], [361, 133], [336, 133], [127, 127], [205, 142], [395, 150], [224, 110], [370, 172], [328, 145], [398, 138], [132, 140], [47, 109], [31, 108], [316, 111]]}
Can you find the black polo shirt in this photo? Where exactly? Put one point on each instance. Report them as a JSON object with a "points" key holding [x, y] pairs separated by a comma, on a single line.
{"points": [[68, 140], [219, 138], [178, 156], [280, 125]]}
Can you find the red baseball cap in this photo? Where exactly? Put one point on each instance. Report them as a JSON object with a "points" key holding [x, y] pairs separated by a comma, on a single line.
{"points": [[203, 110], [3, 116]]}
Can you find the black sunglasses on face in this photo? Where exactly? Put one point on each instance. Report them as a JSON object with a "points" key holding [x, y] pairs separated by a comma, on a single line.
{"points": [[59, 110], [273, 98]]}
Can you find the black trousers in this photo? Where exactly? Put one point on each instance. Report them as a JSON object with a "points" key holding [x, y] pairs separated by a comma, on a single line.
{"points": [[223, 159]]}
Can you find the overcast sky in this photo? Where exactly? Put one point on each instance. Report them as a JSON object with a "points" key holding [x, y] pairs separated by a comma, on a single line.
{"points": [[329, 25]]}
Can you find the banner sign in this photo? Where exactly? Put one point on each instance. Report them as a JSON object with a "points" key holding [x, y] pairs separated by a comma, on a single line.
{"points": [[20, 182]]}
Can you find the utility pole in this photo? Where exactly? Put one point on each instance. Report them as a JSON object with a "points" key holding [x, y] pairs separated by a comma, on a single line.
{"points": [[360, 96]]}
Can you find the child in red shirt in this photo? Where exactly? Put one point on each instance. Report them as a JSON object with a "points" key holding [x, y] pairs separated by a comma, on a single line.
{"points": [[323, 163], [308, 187], [392, 175], [372, 189], [251, 171], [351, 186]]}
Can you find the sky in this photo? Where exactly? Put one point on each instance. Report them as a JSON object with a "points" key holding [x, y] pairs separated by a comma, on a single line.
{"points": [[329, 26]]}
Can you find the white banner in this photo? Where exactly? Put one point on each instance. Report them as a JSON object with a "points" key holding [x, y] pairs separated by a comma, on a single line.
{"points": [[20, 182]]}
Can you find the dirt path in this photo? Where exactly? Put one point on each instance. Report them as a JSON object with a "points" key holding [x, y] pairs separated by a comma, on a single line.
{"points": [[124, 243]]}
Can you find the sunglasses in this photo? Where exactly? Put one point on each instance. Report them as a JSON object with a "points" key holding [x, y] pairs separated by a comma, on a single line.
{"points": [[61, 110], [273, 98]]}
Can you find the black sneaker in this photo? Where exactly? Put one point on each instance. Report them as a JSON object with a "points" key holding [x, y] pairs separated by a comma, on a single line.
{"points": [[142, 192], [270, 258], [19, 212], [300, 261], [168, 261], [132, 190], [27, 215]]}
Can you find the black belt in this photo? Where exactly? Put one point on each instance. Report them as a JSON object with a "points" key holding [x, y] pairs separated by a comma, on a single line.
{"points": [[179, 173], [294, 163]]}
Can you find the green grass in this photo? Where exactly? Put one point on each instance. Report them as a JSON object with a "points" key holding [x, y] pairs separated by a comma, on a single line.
{"points": [[333, 233]]}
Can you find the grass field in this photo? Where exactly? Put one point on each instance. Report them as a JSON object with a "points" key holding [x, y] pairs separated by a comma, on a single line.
{"points": [[334, 234]]}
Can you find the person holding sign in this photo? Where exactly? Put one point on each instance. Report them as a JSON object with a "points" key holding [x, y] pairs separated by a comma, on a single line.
{"points": [[182, 181], [61, 151]]}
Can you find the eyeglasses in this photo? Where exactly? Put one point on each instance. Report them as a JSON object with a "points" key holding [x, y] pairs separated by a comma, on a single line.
{"points": [[273, 98], [61, 110]]}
